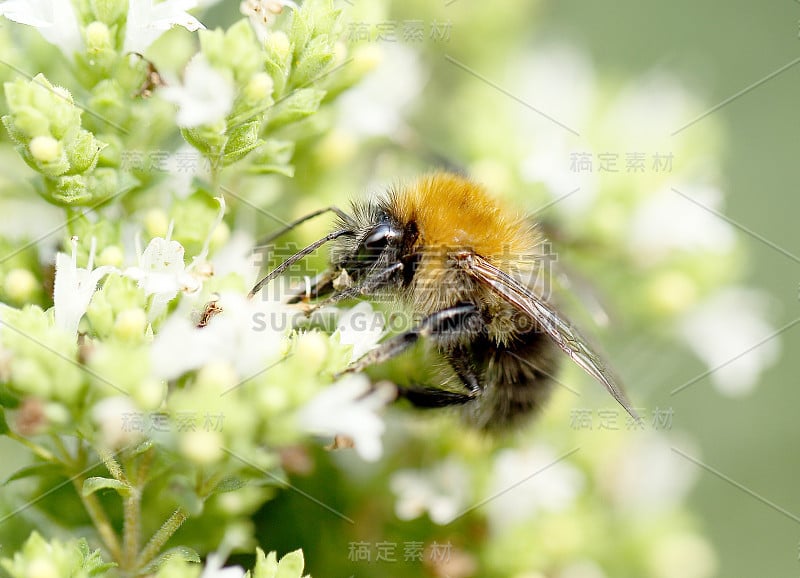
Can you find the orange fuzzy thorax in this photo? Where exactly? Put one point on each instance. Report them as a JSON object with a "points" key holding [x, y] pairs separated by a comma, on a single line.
{"points": [[454, 212]]}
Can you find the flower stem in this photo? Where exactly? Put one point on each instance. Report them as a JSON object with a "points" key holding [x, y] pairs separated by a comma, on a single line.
{"points": [[43, 453], [131, 529], [161, 537], [99, 519]]}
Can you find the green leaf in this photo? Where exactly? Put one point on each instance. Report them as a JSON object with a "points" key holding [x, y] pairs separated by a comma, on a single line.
{"points": [[4, 429], [41, 469], [181, 552], [291, 565], [92, 485], [92, 561], [142, 447], [296, 106], [229, 484]]}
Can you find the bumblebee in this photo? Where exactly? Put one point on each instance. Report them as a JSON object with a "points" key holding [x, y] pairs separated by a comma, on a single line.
{"points": [[467, 267]]}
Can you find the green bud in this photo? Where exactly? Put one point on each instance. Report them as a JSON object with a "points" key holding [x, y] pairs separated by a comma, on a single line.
{"points": [[156, 223], [112, 256], [202, 447], [45, 149], [258, 89], [98, 37], [35, 370], [46, 124], [278, 61], [119, 367], [235, 49], [39, 558], [20, 285], [290, 566], [31, 378], [274, 156], [313, 62], [130, 325], [83, 151], [301, 30], [194, 217], [298, 105], [100, 315], [243, 139]]}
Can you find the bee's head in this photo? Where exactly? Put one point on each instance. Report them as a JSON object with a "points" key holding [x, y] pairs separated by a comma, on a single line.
{"points": [[374, 242]]}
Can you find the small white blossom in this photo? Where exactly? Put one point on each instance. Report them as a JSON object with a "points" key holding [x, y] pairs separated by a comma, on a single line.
{"points": [[74, 287], [724, 332], [55, 19], [205, 97], [528, 481], [117, 418], [378, 105], [214, 569], [262, 13], [349, 407], [148, 20], [360, 327], [162, 273], [667, 223], [247, 334], [442, 492], [648, 476]]}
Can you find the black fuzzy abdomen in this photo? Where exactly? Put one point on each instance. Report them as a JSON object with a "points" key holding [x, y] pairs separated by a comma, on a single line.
{"points": [[516, 378]]}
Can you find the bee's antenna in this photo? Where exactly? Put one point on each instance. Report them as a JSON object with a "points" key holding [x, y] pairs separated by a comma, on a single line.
{"points": [[285, 229], [296, 257]]}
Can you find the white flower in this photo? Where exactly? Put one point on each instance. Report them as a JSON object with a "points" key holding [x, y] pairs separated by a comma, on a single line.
{"points": [[262, 12], [55, 19], [247, 334], [725, 332], [349, 407], [74, 287], [360, 327], [205, 97], [117, 417], [376, 107], [442, 492], [667, 222], [214, 569], [162, 273], [648, 476], [147, 20], [528, 481]]}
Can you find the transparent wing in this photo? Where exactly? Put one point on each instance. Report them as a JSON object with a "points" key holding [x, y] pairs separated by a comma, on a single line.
{"points": [[553, 323]]}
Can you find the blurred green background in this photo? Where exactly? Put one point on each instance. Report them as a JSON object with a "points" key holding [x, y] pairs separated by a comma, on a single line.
{"points": [[741, 59], [740, 62], [720, 52], [721, 48]]}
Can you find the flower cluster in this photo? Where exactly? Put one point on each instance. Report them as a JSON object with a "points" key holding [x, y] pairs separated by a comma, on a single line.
{"points": [[171, 422], [132, 257]]}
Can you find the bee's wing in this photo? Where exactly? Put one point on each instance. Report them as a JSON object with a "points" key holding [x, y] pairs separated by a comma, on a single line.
{"points": [[554, 324]]}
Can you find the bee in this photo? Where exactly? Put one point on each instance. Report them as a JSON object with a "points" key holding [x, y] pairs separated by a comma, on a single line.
{"points": [[466, 266]]}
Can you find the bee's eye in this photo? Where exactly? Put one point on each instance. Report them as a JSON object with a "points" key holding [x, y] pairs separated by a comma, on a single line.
{"points": [[378, 238]]}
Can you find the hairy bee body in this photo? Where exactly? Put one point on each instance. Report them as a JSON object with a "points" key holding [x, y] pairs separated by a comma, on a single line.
{"points": [[436, 216], [469, 269]]}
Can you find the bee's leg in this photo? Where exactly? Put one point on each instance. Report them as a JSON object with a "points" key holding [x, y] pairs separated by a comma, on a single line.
{"points": [[320, 286], [459, 360], [365, 287], [444, 328], [429, 397]]}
